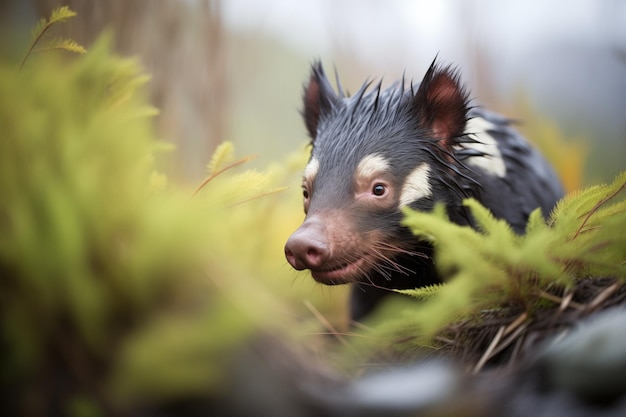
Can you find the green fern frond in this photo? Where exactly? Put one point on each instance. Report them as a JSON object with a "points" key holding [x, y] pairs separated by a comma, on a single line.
{"points": [[61, 44], [492, 266], [580, 203], [601, 208], [486, 221], [536, 222], [58, 15], [216, 164], [223, 155], [423, 293], [38, 30], [61, 14]]}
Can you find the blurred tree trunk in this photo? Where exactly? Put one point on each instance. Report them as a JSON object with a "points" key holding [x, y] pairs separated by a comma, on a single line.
{"points": [[181, 45]]}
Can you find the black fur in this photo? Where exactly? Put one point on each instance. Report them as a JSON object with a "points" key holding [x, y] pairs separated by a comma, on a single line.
{"points": [[409, 125]]}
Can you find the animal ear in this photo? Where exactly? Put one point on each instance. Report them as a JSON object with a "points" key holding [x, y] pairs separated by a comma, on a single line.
{"points": [[441, 103], [319, 98]]}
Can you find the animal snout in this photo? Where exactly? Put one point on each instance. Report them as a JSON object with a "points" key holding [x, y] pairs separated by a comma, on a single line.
{"points": [[307, 247]]}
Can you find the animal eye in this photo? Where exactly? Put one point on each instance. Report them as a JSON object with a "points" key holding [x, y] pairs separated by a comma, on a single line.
{"points": [[378, 190], [305, 193]]}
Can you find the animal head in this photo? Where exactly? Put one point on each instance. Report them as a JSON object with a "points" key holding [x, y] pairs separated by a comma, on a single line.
{"points": [[372, 154]]}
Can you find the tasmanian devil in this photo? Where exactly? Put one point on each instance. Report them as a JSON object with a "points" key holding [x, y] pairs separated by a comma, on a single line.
{"points": [[380, 150]]}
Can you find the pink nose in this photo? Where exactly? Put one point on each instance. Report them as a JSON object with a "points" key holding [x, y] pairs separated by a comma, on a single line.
{"points": [[307, 247]]}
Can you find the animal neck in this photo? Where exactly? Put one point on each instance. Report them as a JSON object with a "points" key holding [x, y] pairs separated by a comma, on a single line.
{"points": [[420, 272]]}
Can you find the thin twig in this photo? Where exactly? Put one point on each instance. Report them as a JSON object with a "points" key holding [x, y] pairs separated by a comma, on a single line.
{"points": [[516, 350], [566, 301], [320, 317], [257, 196], [445, 340], [215, 174], [32, 45], [606, 293], [508, 340], [516, 323], [487, 353], [559, 300]]}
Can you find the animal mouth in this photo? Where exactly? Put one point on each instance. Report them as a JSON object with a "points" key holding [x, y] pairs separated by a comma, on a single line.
{"points": [[339, 274]]}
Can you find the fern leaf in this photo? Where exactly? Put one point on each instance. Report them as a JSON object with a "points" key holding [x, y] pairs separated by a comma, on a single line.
{"points": [[487, 223], [58, 15], [63, 44], [612, 190], [595, 203], [220, 171], [422, 226], [223, 155], [581, 203], [536, 222], [39, 29], [61, 14], [423, 293]]}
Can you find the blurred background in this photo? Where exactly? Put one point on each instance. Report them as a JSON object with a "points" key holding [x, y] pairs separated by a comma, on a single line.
{"points": [[233, 70]]}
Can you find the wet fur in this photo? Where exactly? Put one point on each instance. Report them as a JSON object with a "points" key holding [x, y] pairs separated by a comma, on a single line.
{"points": [[408, 125]]}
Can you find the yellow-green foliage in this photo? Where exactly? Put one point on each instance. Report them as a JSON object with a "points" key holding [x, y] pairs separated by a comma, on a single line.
{"points": [[492, 266], [89, 250], [40, 42], [115, 282]]}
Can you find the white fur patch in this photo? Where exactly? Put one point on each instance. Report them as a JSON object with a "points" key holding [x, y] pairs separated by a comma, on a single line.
{"points": [[416, 185], [371, 166], [311, 170], [492, 162]]}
